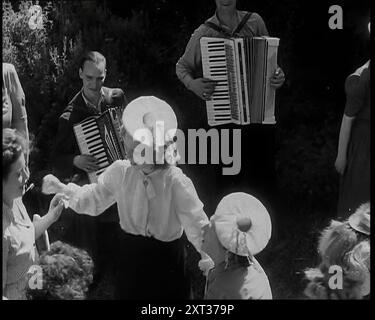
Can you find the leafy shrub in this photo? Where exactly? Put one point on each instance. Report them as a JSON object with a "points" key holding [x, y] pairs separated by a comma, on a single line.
{"points": [[67, 273], [43, 71]]}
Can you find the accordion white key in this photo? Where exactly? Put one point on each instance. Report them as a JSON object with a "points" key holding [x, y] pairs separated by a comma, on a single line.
{"points": [[100, 137], [241, 68]]}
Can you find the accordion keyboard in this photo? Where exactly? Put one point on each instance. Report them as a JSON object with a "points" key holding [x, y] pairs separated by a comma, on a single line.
{"points": [[241, 67], [214, 65], [88, 138]]}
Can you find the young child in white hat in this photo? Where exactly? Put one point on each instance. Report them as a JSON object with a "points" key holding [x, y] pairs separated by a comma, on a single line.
{"points": [[239, 229], [156, 203], [344, 249]]}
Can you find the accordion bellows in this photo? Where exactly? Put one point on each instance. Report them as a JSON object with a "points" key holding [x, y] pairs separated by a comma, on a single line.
{"points": [[241, 68]]}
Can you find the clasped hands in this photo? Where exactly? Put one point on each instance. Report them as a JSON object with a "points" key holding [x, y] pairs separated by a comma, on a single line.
{"points": [[205, 265], [52, 185], [204, 87]]}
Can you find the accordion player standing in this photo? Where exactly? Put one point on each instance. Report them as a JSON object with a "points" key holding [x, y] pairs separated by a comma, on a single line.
{"points": [[257, 141], [96, 235]]}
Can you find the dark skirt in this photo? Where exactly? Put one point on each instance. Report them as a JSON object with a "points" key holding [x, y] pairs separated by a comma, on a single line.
{"points": [[355, 183], [150, 269]]}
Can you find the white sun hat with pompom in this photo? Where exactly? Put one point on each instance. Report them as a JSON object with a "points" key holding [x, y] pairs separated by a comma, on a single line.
{"points": [[243, 225]]}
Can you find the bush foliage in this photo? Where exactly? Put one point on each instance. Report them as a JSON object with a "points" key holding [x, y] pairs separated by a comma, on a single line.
{"points": [[141, 56], [67, 273]]}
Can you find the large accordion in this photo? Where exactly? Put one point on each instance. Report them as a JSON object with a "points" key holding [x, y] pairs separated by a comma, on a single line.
{"points": [[241, 68], [100, 136]]}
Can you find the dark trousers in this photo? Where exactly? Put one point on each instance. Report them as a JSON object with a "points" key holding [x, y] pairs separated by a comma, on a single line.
{"points": [[150, 269]]}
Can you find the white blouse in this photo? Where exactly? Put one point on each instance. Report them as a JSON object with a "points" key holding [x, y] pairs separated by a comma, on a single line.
{"points": [[161, 204], [19, 250]]}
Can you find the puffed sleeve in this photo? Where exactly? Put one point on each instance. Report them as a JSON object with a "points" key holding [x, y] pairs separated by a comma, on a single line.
{"points": [[189, 209], [355, 93], [93, 199], [191, 61], [17, 96]]}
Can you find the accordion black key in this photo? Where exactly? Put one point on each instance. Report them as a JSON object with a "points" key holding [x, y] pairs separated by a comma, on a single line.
{"points": [[241, 68], [100, 137]]}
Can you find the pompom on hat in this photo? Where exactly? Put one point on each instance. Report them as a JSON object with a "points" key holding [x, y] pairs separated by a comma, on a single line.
{"points": [[243, 225], [150, 120]]}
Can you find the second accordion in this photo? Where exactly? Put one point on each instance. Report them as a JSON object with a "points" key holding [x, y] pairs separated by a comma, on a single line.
{"points": [[100, 137], [241, 68]]}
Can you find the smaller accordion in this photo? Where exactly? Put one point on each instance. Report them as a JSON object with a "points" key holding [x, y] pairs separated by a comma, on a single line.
{"points": [[100, 137], [241, 68]]}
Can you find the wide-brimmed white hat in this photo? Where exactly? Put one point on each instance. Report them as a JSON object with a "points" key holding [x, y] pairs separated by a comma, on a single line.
{"points": [[150, 121], [360, 219], [243, 225]]}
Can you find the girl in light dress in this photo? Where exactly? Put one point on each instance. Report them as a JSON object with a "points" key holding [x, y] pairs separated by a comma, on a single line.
{"points": [[19, 232]]}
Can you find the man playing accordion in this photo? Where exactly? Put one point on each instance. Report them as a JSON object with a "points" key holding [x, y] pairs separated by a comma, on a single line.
{"points": [[257, 146], [70, 165]]}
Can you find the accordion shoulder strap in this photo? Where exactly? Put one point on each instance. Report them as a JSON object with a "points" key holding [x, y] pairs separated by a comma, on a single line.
{"points": [[222, 30], [242, 23], [217, 28]]}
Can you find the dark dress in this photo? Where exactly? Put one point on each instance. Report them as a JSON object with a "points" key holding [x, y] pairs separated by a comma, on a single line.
{"points": [[355, 183]]}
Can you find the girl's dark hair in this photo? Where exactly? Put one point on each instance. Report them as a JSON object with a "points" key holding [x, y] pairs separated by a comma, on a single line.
{"points": [[14, 144]]}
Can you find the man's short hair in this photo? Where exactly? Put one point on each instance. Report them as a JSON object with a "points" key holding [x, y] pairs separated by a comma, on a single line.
{"points": [[93, 56]]}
